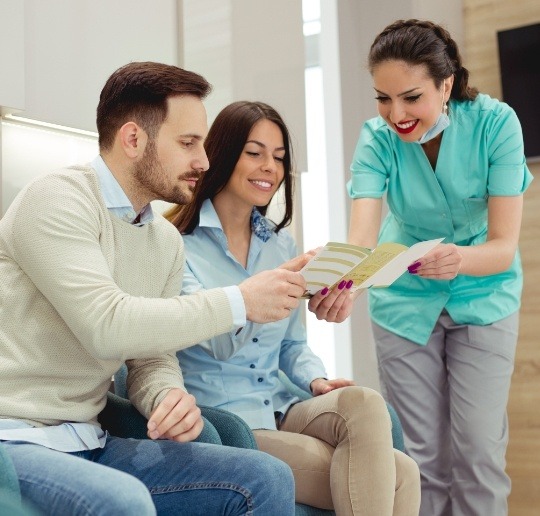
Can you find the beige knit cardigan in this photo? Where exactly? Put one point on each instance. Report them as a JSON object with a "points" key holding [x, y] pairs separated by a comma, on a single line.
{"points": [[81, 292]]}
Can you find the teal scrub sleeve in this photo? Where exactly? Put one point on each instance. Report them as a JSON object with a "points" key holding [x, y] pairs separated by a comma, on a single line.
{"points": [[370, 163], [508, 173]]}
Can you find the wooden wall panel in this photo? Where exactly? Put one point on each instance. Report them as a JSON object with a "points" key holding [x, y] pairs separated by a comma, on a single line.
{"points": [[482, 19], [524, 449]]}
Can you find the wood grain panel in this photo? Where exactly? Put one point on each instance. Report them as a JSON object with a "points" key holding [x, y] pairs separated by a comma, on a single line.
{"points": [[524, 449]]}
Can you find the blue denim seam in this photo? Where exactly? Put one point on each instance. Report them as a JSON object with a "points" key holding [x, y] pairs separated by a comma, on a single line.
{"points": [[207, 485], [60, 491]]}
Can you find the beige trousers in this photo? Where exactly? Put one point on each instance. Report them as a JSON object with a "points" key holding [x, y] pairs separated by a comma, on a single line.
{"points": [[339, 446]]}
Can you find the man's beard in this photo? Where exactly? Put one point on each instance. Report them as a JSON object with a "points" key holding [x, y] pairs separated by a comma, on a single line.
{"points": [[150, 175]]}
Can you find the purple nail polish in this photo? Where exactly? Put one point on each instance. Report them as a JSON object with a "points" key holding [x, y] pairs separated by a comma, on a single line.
{"points": [[413, 267], [349, 283], [342, 284], [324, 291]]}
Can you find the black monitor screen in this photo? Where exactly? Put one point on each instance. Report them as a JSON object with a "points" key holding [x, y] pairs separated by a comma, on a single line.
{"points": [[519, 57]]}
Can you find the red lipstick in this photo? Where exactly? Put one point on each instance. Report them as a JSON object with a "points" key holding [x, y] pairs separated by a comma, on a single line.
{"points": [[406, 130]]}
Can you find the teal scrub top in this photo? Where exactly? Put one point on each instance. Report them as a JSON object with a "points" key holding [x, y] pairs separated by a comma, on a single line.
{"points": [[481, 155]]}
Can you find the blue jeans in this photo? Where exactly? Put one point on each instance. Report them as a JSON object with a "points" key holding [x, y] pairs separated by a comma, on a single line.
{"points": [[146, 477]]}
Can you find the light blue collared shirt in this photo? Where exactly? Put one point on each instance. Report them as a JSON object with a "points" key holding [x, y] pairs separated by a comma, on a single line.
{"points": [[239, 372], [71, 437], [116, 199]]}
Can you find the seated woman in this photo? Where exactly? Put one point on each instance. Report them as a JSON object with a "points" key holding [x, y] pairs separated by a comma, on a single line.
{"points": [[338, 443]]}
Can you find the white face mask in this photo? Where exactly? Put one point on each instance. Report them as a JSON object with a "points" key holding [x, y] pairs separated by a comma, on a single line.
{"points": [[443, 121]]}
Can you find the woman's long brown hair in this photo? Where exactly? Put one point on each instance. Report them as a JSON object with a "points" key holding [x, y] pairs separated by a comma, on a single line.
{"points": [[224, 145]]}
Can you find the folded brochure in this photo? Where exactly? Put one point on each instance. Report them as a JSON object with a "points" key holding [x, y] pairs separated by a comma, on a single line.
{"points": [[367, 268]]}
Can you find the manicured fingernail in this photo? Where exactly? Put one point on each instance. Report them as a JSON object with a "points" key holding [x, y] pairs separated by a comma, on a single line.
{"points": [[349, 283], [342, 284], [324, 291], [413, 272], [413, 267]]}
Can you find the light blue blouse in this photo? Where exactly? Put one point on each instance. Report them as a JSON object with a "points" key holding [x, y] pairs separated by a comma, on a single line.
{"points": [[239, 372], [481, 155]]}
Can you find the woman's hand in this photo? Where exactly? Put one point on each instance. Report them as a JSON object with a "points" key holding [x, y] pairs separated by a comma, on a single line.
{"points": [[443, 263], [333, 306], [322, 385]]}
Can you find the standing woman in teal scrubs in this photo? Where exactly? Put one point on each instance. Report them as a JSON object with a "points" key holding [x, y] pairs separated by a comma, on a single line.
{"points": [[452, 165]]}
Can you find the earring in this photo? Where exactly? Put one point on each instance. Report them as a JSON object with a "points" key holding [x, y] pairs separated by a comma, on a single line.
{"points": [[445, 108]]}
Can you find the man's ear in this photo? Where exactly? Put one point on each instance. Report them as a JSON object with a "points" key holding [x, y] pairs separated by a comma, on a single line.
{"points": [[133, 139]]}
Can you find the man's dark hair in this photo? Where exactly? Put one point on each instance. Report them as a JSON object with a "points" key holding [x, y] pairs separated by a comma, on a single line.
{"points": [[138, 92]]}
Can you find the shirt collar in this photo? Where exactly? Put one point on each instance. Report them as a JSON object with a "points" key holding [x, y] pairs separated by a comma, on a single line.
{"points": [[260, 226], [115, 198], [208, 216]]}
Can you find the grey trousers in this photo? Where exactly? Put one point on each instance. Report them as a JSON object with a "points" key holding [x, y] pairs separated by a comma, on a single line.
{"points": [[451, 396]]}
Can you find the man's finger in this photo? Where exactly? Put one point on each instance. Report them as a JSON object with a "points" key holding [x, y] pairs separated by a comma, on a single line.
{"points": [[296, 263], [184, 426], [172, 408], [161, 411], [190, 434]]}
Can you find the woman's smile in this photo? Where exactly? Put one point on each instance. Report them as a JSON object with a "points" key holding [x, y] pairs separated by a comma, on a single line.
{"points": [[261, 184], [406, 127]]}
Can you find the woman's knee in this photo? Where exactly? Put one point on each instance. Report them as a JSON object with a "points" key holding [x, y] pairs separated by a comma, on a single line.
{"points": [[356, 413], [354, 402]]}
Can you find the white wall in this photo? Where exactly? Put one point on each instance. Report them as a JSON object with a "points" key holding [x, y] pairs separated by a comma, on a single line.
{"points": [[252, 50], [29, 151], [11, 56], [72, 46], [55, 57]]}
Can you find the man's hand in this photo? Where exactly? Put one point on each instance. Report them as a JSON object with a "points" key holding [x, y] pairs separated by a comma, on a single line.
{"points": [[333, 306], [322, 386], [176, 418], [296, 263], [271, 295]]}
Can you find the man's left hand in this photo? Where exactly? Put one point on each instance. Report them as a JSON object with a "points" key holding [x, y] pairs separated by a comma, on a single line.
{"points": [[177, 418]]}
